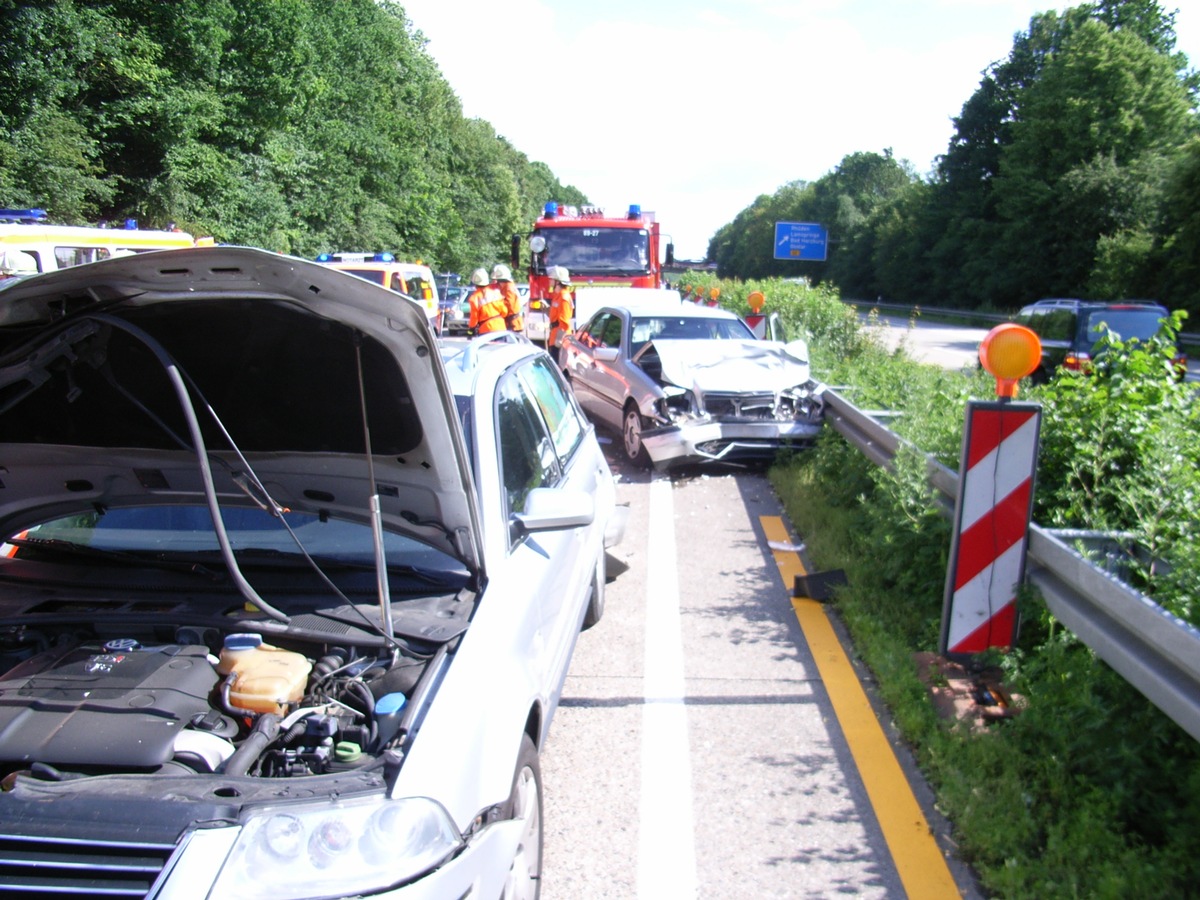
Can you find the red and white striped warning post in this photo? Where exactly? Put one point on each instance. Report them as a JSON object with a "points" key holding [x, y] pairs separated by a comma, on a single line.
{"points": [[991, 516], [995, 501]]}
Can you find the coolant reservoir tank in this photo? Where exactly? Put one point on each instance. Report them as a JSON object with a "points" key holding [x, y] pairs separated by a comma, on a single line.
{"points": [[266, 679]]}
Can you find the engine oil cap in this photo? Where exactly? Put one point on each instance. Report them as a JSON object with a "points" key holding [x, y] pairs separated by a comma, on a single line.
{"points": [[347, 751]]}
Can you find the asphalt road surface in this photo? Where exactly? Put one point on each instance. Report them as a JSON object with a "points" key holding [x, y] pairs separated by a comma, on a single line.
{"points": [[700, 749]]}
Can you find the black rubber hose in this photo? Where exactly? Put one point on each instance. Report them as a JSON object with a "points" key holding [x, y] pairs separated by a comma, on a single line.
{"points": [[265, 730]]}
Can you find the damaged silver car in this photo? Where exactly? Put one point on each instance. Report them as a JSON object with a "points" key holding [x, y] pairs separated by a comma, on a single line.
{"points": [[686, 384], [288, 592]]}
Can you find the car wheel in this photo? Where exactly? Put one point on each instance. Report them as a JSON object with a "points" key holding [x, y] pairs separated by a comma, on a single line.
{"points": [[525, 802], [631, 432], [595, 610]]}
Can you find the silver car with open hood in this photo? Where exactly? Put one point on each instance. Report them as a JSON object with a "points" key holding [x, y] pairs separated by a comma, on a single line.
{"points": [[286, 600]]}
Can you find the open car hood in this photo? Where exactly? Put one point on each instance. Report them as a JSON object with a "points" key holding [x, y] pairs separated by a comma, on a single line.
{"points": [[276, 347], [708, 366]]}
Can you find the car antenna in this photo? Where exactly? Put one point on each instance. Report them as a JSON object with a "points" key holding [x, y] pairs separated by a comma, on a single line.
{"points": [[381, 572]]}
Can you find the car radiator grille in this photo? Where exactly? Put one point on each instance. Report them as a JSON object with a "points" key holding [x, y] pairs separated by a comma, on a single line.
{"points": [[34, 867], [740, 406]]}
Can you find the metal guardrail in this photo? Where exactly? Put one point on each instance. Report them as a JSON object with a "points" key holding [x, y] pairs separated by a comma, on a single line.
{"points": [[1155, 651]]}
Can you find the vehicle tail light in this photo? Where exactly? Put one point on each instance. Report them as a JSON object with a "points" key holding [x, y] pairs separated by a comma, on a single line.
{"points": [[1077, 362]]}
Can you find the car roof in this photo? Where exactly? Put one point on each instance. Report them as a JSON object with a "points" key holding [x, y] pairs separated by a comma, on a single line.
{"points": [[1072, 303], [467, 359], [684, 310]]}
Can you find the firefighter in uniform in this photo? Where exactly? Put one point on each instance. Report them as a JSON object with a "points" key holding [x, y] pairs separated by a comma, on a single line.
{"points": [[488, 307], [562, 309], [502, 281]]}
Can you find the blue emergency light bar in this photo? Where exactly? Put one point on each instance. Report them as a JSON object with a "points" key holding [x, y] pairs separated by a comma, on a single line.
{"points": [[383, 256], [23, 216]]}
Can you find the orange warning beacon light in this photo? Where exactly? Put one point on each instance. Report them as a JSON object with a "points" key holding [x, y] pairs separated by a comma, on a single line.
{"points": [[1009, 352], [756, 301]]}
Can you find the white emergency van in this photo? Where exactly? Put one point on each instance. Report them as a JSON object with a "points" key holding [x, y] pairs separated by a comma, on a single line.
{"points": [[62, 246]]}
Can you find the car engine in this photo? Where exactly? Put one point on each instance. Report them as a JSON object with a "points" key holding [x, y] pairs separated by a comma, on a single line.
{"points": [[74, 705]]}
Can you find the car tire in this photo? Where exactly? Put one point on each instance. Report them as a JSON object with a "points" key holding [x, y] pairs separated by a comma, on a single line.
{"points": [[525, 802], [631, 437], [595, 609]]}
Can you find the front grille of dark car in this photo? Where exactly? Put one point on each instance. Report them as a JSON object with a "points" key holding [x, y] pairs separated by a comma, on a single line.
{"points": [[740, 406], [38, 867]]}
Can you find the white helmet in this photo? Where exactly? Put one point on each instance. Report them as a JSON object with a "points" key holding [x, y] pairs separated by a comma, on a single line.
{"points": [[501, 272], [560, 274], [479, 277]]}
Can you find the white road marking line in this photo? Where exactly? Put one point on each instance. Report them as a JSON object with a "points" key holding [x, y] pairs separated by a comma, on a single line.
{"points": [[666, 835]]}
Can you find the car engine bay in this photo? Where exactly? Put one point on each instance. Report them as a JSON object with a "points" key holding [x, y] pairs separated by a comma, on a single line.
{"points": [[77, 702]]}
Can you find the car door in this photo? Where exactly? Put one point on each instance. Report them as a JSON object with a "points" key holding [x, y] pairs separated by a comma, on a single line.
{"points": [[596, 367], [542, 445]]}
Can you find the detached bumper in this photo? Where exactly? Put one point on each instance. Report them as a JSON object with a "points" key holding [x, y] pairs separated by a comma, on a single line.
{"points": [[725, 442]]}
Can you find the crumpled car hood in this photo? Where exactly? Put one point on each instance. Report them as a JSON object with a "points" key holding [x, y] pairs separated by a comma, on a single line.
{"points": [[733, 366], [276, 347]]}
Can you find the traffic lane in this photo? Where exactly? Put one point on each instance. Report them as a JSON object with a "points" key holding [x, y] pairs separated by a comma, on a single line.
{"points": [[785, 813], [948, 346], [778, 808]]}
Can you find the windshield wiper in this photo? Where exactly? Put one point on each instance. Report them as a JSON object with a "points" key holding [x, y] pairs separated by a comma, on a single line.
{"points": [[129, 558]]}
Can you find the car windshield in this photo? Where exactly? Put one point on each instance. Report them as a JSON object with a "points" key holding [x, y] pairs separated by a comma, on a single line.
{"points": [[688, 328], [186, 531], [598, 251], [1126, 324]]}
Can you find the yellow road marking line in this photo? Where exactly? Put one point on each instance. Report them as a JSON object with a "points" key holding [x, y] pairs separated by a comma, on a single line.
{"points": [[918, 859]]}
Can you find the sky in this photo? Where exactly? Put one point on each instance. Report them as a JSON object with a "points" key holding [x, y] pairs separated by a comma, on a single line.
{"points": [[694, 109]]}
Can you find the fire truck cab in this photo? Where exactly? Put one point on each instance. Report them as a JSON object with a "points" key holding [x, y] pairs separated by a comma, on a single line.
{"points": [[597, 249]]}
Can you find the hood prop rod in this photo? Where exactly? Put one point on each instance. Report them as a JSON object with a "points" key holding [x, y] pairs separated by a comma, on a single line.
{"points": [[381, 571]]}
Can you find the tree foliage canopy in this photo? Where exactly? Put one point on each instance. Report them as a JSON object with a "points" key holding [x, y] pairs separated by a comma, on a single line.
{"points": [[274, 123], [1071, 172]]}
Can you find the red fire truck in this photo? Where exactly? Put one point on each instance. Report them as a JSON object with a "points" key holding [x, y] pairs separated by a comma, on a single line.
{"points": [[597, 249]]}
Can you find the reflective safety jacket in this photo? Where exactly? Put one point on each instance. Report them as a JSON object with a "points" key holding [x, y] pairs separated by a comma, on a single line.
{"points": [[489, 310], [516, 321], [562, 310]]}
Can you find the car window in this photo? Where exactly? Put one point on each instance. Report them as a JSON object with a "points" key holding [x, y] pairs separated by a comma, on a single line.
{"points": [[1055, 324], [610, 331], [559, 413], [1126, 324], [689, 328], [527, 456], [181, 529]]}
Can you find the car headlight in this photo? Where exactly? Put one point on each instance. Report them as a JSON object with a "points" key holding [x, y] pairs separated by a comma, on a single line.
{"points": [[676, 404], [331, 850]]}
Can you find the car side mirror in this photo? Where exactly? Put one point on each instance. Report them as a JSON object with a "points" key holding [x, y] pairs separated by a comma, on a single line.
{"points": [[605, 354], [553, 509]]}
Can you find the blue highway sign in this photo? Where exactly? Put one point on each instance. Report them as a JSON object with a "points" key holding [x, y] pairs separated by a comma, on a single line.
{"points": [[801, 240]]}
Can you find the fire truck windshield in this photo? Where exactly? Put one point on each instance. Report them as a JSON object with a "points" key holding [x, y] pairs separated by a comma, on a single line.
{"points": [[596, 251]]}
